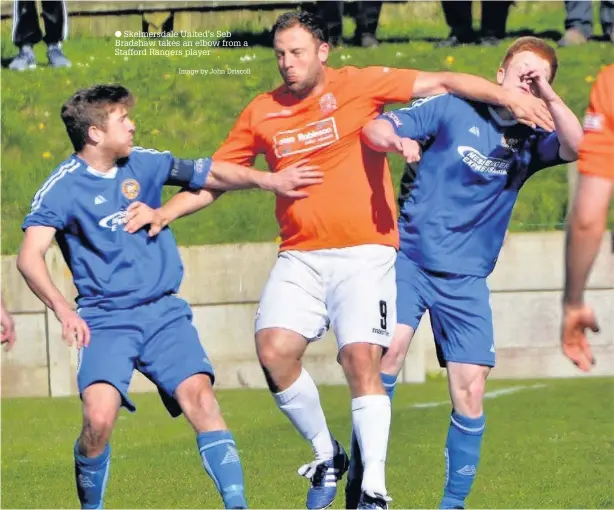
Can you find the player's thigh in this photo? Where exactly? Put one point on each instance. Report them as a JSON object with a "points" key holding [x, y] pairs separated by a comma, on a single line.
{"points": [[293, 298], [414, 293], [461, 318], [362, 296], [411, 305], [172, 351], [109, 358]]}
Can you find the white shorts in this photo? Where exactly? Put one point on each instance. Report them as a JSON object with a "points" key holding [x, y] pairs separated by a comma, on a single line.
{"points": [[351, 289]]}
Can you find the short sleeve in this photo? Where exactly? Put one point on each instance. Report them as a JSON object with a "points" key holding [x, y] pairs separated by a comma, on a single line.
{"points": [[153, 162], [386, 84], [419, 121], [49, 207], [240, 146]]}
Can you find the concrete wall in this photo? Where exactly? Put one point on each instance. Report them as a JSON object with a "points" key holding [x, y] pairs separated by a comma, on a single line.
{"points": [[223, 284]]}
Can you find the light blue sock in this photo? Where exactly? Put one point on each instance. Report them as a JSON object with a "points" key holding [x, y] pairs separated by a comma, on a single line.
{"points": [[91, 475], [218, 452], [462, 458], [390, 383]]}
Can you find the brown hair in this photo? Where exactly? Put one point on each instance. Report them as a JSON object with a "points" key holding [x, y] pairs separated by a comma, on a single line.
{"points": [[313, 23], [534, 45], [91, 107]]}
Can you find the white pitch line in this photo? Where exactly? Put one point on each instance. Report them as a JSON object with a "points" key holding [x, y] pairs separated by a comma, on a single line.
{"points": [[489, 394]]}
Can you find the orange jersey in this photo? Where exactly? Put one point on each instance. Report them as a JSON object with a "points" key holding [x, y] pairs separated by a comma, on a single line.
{"points": [[355, 204], [596, 154]]}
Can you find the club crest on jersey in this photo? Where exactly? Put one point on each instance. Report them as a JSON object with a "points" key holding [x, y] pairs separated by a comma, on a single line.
{"points": [[328, 103], [509, 143], [131, 189]]}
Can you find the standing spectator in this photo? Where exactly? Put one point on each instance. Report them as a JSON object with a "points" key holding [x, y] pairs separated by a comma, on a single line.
{"points": [[27, 33], [579, 22], [459, 19], [366, 15]]}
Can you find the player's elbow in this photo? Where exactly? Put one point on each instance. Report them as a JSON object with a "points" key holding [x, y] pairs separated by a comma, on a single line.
{"points": [[373, 135], [27, 258], [588, 222], [590, 208], [22, 260], [569, 153]]}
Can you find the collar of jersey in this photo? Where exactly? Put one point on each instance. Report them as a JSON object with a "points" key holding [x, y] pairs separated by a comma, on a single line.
{"points": [[102, 175], [500, 120]]}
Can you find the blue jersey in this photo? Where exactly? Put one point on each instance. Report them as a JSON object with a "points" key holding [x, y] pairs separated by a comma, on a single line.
{"points": [[455, 210], [113, 269]]}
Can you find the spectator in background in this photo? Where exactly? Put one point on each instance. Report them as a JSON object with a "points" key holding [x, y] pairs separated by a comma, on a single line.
{"points": [[8, 326], [459, 19], [579, 22], [366, 15], [27, 33]]}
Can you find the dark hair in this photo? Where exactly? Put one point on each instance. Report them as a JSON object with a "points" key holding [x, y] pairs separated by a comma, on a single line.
{"points": [[91, 107], [535, 45], [314, 24]]}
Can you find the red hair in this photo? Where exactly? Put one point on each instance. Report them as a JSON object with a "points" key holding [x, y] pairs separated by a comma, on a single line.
{"points": [[535, 45]]}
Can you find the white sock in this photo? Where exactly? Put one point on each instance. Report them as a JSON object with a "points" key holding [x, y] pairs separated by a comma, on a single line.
{"points": [[301, 404], [371, 415]]}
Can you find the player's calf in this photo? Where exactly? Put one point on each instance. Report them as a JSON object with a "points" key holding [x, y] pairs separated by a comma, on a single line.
{"points": [[467, 386], [464, 440], [215, 442], [391, 365], [92, 451], [371, 413]]}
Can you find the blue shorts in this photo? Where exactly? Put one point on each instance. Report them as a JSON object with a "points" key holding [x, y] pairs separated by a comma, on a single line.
{"points": [[157, 339], [459, 307]]}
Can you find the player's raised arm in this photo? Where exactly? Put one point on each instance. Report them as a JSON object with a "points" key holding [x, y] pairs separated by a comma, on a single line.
{"points": [[567, 126], [526, 109], [31, 264]]}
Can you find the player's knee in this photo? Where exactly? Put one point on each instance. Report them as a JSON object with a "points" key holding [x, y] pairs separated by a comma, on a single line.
{"points": [[203, 401], [269, 354], [361, 363], [101, 403], [279, 352], [97, 427], [470, 394], [198, 403]]}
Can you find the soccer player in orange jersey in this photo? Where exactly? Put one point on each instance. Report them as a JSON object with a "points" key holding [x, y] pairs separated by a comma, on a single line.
{"points": [[587, 221], [336, 262]]}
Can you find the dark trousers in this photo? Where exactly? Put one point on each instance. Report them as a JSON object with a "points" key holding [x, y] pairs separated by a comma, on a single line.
{"points": [[366, 15], [579, 15], [26, 27], [459, 19]]}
